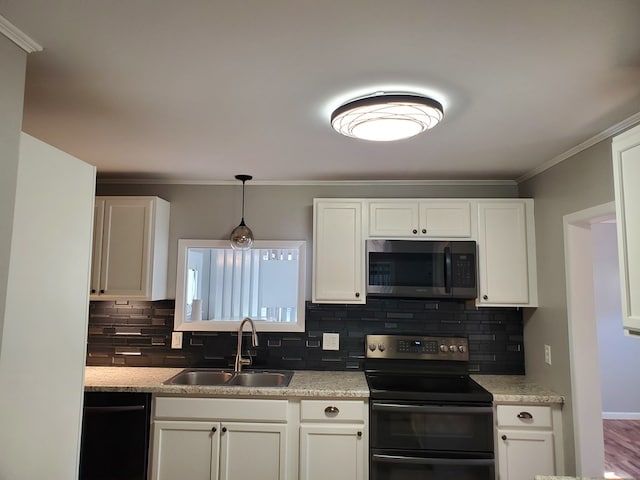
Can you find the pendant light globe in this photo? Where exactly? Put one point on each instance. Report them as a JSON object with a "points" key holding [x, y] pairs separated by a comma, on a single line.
{"points": [[242, 237]]}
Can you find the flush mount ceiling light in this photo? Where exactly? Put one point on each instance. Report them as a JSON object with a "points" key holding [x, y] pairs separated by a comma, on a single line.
{"points": [[242, 237], [385, 117]]}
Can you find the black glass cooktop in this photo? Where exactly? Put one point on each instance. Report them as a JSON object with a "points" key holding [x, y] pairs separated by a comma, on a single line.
{"points": [[414, 386]]}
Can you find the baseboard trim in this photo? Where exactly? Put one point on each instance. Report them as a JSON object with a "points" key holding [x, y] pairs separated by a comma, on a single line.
{"points": [[621, 415]]}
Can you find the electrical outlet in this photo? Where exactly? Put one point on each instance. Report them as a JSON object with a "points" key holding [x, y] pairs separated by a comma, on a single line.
{"points": [[176, 340], [331, 341], [547, 354]]}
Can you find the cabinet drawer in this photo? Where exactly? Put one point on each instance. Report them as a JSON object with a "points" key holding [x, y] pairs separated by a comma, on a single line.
{"points": [[524, 416], [230, 409], [332, 411]]}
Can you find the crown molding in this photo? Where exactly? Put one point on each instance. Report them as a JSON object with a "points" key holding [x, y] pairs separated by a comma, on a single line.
{"points": [[609, 132], [296, 183], [18, 37]]}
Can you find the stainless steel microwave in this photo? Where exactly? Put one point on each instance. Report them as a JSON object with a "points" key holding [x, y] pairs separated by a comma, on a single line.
{"points": [[421, 269]]}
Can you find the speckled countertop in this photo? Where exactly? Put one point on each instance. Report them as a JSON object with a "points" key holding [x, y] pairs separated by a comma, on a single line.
{"points": [[149, 379], [517, 389], [546, 477], [333, 384]]}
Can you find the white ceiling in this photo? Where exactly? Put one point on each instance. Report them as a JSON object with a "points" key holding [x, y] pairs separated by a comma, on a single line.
{"points": [[205, 89]]}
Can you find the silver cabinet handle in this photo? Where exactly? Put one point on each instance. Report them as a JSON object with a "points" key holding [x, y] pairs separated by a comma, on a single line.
{"points": [[525, 416], [331, 410]]}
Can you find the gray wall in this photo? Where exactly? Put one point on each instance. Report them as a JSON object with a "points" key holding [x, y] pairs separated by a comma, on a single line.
{"points": [[583, 181], [12, 74], [273, 212], [616, 350]]}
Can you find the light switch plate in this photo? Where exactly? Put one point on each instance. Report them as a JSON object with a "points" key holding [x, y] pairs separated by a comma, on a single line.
{"points": [[331, 341], [176, 340], [547, 354]]}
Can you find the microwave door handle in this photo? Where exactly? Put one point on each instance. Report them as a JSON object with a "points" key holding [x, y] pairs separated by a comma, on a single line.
{"points": [[447, 270]]}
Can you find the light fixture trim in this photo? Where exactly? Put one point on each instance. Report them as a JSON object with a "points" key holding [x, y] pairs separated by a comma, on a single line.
{"points": [[387, 116]]}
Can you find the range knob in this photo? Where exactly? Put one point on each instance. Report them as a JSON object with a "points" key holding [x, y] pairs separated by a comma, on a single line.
{"points": [[443, 348], [461, 348], [372, 347], [381, 347], [452, 348]]}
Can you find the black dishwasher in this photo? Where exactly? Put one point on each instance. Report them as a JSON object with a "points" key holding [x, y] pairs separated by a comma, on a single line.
{"points": [[115, 436]]}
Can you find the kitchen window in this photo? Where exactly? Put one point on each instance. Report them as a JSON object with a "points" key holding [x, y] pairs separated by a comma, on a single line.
{"points": [[217, 286]]}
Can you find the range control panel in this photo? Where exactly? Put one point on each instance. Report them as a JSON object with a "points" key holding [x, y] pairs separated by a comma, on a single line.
{"points": [[417, 348]]}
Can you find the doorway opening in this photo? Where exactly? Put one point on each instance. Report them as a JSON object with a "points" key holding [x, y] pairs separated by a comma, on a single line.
{"points": [[596, 340]]}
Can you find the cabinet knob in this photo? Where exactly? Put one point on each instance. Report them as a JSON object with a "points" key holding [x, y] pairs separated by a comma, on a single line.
{"points": [[214, 430], [357, 294], [101, 291], [331, 410], [415, 231], [224, 429], [525, 416], [424, 230], [504, 437], [359, 434], [485, 297], [93, 290]]}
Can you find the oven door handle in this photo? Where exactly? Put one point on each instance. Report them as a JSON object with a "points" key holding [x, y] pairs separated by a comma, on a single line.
{"points": [[377, 457], [401, 408]]}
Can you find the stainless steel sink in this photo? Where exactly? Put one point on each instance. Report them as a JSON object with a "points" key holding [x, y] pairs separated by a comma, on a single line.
{"points": [[205, 377], [198, 376], [261, 379]]}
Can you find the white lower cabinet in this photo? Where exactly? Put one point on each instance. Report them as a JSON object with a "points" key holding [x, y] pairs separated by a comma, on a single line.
{"points": [[208, 439], [333, 440], [528, 441]]}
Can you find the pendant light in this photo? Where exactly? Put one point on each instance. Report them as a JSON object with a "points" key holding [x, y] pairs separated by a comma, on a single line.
{"points": [[242, 237]]}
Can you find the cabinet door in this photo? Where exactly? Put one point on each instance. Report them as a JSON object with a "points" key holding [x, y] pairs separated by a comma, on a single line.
{"points": [[338, 274], [335, 452], [445, 219], [96, 260], [522, 454], [393, 219], [185, 450], [506, 256], [253, 451], [126, 247], [626, 169]]}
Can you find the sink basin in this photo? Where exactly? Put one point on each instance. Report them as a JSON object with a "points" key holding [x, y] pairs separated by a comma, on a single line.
{"points": [[204, 377], [198, 376], [261, 379]]}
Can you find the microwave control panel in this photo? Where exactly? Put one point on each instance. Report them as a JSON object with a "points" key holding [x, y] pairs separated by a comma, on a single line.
{"points": [[464, 270]]}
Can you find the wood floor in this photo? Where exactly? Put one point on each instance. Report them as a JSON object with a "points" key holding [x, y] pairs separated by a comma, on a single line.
{"points": [[622, 447]]}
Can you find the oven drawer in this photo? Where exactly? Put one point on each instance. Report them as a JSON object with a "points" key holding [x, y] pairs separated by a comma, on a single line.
{"points": [[523, 416], [332, 411], [412, 466]]}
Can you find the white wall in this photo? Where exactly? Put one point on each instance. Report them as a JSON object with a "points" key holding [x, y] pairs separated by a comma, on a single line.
{"points": [[580, 182], [620, 383], [13, 61]]}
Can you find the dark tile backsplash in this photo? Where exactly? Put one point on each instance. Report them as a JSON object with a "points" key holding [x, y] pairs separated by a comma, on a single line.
{"points": [[139, 334]]}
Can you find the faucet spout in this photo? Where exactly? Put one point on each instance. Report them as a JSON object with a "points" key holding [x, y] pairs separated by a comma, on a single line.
{"points": [[240, 361]]}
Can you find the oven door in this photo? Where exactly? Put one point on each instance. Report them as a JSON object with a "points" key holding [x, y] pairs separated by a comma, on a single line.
{"points": [[412, 466], [423, 427]]}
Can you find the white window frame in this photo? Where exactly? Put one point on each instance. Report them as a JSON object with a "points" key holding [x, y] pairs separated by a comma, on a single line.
{"points": [[182, 324]]}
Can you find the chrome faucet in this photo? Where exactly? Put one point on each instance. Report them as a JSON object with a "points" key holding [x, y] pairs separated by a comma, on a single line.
{"points": [[254, 341]]}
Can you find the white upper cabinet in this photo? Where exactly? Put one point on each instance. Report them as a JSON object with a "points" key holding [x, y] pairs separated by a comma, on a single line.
{"points": [[506, 253], [420, 218], [130, 248], [338, 253], [626, 172]]}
